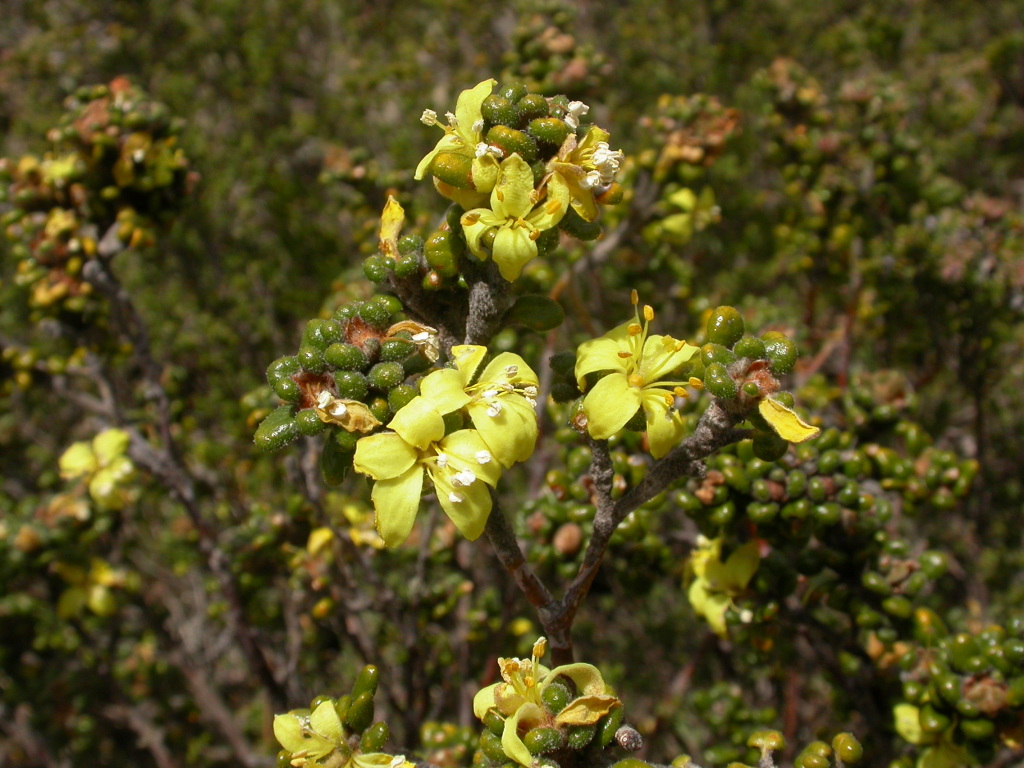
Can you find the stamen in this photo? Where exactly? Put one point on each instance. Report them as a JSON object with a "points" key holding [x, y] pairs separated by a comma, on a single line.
{"points": [[636, 380], [442, 460], [494, 410], [463, 478], [634, 329], [625, 355], [648, 312], [429, 117], [482, 457], [634, 297], [511, 370], [680, 392], [455, 498]]}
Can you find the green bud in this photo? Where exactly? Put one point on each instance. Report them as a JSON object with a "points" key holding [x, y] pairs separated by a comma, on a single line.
{"points": [[782, 352], [750, 389], [335, 462], [277, 430], [767, 741], [379, 407], [932, 721], [531, 107], [284, 759], [410, 244], [725, 326], [541, 740], [318, 700], [395, 350], [497, 109], [535, 312], [399, 396], [762, 513], [718, 382], [978, 729], [928, 626], [360, 713], [375, 737]]}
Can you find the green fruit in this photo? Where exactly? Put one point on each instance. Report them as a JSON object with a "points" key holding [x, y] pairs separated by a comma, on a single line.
{"points": [[375, 737], [277, 430], [410, 244], [335, 462], [762, 513], [751, 347], [947, 687], [313, 335], [366, 682], [556, 697], [535, 312], [318, 700], [351, 385], [725, 326], [718, 382], [781, 351], [360, 712]]}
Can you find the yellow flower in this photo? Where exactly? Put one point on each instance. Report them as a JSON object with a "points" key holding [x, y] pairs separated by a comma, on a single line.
{"points": [[586, 167], [715, 583], [463, 137], [318, 739], [519, 214], [636, 365], [518, 698]]}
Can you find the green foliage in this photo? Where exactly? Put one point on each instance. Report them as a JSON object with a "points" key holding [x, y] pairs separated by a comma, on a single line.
{"points": [[847, 178]]}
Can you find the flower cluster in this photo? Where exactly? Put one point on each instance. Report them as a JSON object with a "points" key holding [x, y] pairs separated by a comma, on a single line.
{"points": [[533, 705], [637, 376], [461, 463], [519, 165]]}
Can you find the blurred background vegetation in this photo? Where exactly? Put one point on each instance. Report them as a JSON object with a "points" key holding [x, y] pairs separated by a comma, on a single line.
{"points": [[856, 175]]}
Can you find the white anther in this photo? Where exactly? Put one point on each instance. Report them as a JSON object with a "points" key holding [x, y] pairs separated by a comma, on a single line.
{"points": [[463, 478], [429, 117], [494, 409], [455, 498], [442, 460], [482, 457], [511, 370]]}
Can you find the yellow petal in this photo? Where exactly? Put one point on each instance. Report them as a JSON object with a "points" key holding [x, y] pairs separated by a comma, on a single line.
{"points": [[419, 423], [396, 501], [444, 389], [467, 358], [609, 405], [391, 222], [586, 710], [785, 422], [383, 456]]}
